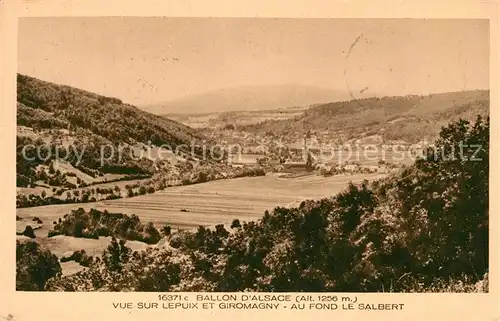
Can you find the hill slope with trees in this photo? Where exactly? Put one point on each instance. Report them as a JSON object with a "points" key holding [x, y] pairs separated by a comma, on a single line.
{"points": [[408, 118], [52, 117]]}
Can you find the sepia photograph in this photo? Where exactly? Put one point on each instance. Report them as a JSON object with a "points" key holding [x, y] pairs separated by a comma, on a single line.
{"points": [[252, 154]]}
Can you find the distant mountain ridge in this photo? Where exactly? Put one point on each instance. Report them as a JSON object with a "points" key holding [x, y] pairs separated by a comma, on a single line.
{"points": [[250, 98]]}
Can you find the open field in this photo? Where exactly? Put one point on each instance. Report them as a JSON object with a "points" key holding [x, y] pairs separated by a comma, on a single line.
{"points": [[189, 206], [210, 203]]}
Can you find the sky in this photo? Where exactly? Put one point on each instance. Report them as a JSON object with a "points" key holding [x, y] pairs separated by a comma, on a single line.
{"points": [[146, 60]]}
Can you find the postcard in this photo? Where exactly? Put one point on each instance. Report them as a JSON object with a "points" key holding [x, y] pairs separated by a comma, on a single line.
{"points": [[188, 159]]}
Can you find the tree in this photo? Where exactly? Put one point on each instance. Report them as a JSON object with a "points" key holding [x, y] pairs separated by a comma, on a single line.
{"points": [[309, 162], [34, 266], [236, 223], [116, 255], [51, 168], [29, 232], [167, 230], [153, 235], [42, 175]]}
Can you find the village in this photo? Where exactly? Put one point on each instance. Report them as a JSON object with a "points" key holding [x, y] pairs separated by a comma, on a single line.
{"points": [[320, 153]]}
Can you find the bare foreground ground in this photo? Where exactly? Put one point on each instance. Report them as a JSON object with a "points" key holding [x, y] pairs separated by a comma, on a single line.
{"points": [[189, 206]]}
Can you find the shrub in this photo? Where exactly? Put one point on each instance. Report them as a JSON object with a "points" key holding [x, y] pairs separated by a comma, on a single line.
{"points": [[28, 231], [236, 223]]}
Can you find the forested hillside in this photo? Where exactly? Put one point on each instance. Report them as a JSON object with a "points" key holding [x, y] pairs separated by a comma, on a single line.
{"points": [[408, 118], [53, 116], [425, 229]]}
